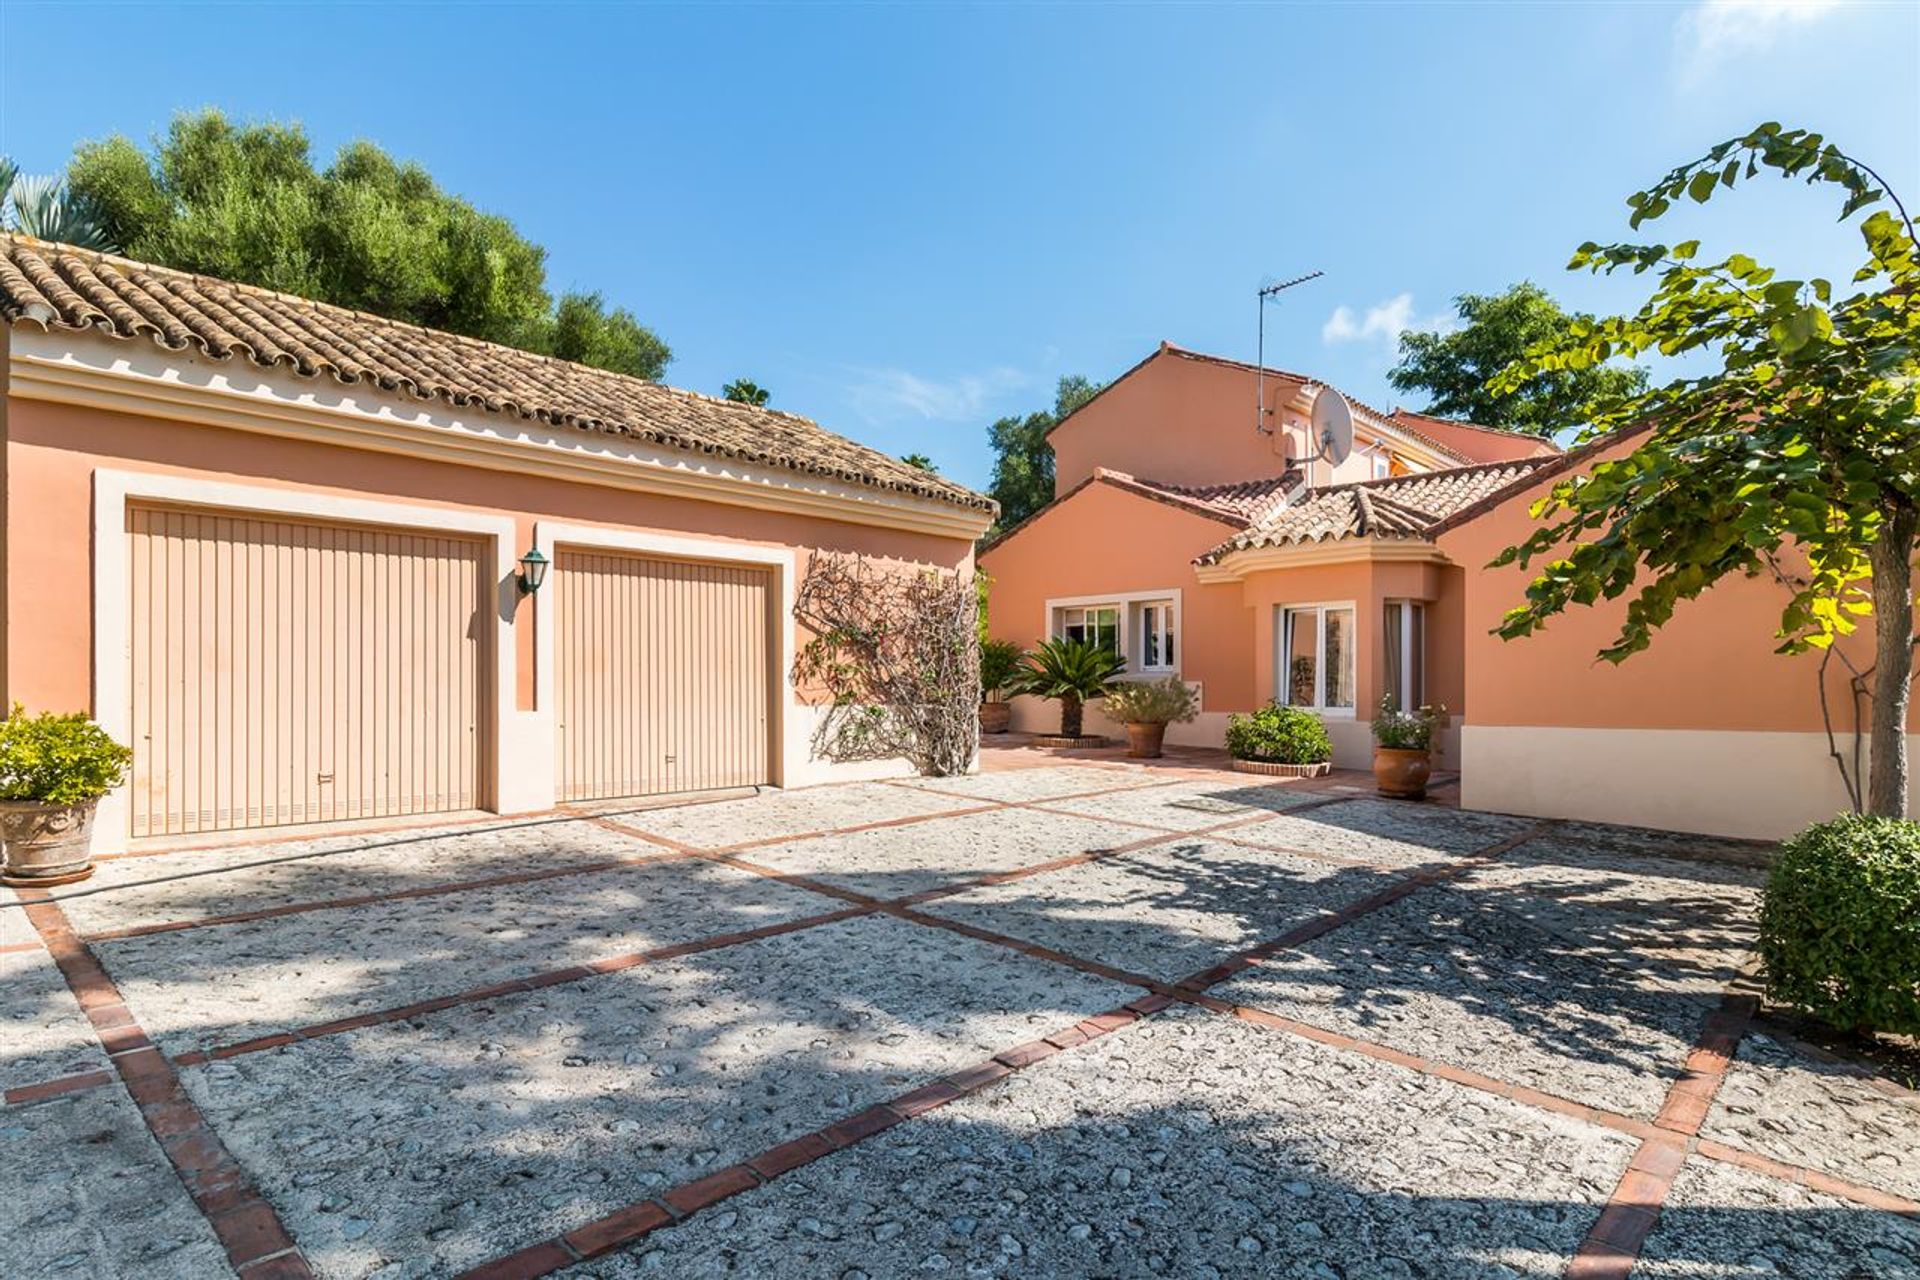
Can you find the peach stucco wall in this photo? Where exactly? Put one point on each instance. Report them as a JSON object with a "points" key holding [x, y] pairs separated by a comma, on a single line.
{"points": [[53, 450], [1174, 420], [1105, 540], [1712, 667]]}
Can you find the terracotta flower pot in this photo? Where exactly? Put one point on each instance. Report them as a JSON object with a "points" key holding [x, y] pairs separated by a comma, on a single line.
{"points": [[1402, 773], [995, 717], [46, 844], [1144, 740]]}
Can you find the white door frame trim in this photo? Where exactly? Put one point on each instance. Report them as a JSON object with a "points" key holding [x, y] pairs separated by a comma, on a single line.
{"points": [[113, 622], [788, 728]]}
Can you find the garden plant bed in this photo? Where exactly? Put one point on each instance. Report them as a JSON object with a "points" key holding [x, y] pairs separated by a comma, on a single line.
{"points": [[1275, 769]]}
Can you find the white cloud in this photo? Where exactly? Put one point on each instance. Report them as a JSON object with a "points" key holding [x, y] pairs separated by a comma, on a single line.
{"points": [[884, 394], [1715, 31], [1383, 323]]}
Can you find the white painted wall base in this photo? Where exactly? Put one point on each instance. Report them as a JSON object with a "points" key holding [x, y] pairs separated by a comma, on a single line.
{"points": [[1758, 785], [807, 770]]}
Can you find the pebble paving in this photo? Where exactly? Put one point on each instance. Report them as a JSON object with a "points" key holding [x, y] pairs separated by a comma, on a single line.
{"points": [[1726, 1223], [436, 1144], [1581, 963], [1165, 912], [130, 892], [1188, 1145], [43, 1034], [782, 815], [1386, 833], [1780, 1102], [217, 985], [893, 862], [85, 1192], [1440, 975], [1188, 806]]}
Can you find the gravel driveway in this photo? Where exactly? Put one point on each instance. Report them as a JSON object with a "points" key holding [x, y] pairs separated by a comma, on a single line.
{"points": [[1076, 1019]]}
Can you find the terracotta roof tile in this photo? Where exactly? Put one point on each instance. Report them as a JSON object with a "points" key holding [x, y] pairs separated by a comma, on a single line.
{"points": [[1401, 507], [60, 287]]}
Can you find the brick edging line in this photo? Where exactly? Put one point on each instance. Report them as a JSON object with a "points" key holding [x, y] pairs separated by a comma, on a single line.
{"points": [[1614, 1243], [255, 1240]]}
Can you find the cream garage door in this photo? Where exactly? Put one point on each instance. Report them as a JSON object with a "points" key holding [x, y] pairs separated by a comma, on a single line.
{"points": [[664, 674], [291, 672]]}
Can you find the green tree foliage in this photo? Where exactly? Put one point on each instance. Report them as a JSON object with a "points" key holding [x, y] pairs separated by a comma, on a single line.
{"points": [[245, 202], [58, 759], [921, 461], [1278, 735], [1022, 458], [1453, 368], [746, 391], [1799, 456], [47, 208]]}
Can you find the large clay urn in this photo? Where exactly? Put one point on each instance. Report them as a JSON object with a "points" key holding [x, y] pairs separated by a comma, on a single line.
{"points": [[1401, 773]]}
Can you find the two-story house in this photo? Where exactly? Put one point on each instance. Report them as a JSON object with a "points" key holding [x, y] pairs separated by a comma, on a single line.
{"points": [[1193, 530]]}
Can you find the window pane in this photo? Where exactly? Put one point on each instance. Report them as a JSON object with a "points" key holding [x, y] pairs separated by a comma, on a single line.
{"points": [[1339, 657], [1149, 636], [1301, 641], [1390, 635]]}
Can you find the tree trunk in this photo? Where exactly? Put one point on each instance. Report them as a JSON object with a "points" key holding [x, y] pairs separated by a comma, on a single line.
{"points": [[1070, 708], [1892, 561]]}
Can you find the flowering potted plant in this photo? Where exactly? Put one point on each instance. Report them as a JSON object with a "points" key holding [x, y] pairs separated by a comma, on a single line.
{"points": [[1147, 707], [999, 665], [53, 771], [1403, 749]]}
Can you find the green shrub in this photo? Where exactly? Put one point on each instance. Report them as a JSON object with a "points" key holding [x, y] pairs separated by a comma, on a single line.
{"points": [[1840, 924], [1168, 701], [999, 663], [1278, 735], [57, 759]]}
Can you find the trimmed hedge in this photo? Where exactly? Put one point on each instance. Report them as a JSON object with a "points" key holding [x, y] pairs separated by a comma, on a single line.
{"points": [[1278, 735], [1840, 924]]}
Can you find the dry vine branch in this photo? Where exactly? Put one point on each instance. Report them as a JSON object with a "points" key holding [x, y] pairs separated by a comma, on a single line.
{"points": [[898, 651]]}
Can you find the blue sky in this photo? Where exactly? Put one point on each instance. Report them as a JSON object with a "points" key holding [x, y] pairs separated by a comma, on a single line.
{"points": [[908, 221]]}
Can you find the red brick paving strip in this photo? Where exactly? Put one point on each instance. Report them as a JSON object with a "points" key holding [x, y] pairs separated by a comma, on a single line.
{"points": [[1613, 1245], [59, 1087], [624, 1226], [256, 1241]]}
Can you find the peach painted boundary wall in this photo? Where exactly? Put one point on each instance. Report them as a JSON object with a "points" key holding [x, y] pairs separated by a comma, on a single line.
{"points": [[1707, 730], [58, 457]]}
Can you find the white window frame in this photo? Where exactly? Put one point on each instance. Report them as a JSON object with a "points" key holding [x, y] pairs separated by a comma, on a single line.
{"points": [[1382, 465], [1129, 603], [1282, 677], [1167, 634], [1409, 610]]}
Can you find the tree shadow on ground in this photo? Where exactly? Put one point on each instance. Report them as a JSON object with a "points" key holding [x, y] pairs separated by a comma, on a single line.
{"points": [[443, 1139]]}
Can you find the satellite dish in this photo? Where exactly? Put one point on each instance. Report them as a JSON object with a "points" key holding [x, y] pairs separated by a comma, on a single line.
{"points": [[1332, 427]]}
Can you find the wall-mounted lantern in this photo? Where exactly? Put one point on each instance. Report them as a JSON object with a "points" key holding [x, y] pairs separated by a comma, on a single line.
{"points": [[533, 570]]}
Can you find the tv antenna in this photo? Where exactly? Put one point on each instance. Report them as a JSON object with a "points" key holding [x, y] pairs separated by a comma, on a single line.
{"points": [[1260, 360]]}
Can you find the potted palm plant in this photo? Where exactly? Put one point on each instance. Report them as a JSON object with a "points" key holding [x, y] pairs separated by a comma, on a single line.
{"points": [[1403, 749], [1147, 707], [53, 771], [1073, 672], [999, 664]]}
